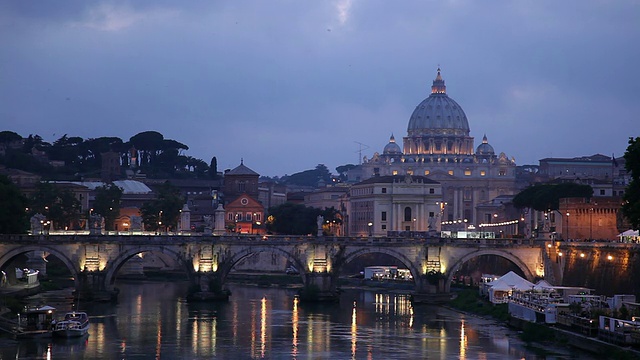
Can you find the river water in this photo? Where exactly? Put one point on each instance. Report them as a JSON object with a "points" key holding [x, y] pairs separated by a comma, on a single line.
{"points": [[153, 321]]}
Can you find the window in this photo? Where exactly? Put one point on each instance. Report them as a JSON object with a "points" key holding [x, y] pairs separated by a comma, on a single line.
{"points": [[432, 191], [395, 172], [502, 173], [384, 190], [483, 173], [467, 172], [230, 216], [601, 192], [383, 216], [258, 217], [426, 172], [409, 172], [384, 227], [431, 214], [407, 214], [247, 216], [450, 172], [242, 186]]}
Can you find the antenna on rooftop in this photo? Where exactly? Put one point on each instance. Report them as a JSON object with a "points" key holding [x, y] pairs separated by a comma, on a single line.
{"points": [[360, 148]]}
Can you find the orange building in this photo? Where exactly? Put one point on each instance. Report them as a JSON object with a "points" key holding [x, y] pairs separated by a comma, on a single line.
{"points": [[591, 219], [245, 215]]}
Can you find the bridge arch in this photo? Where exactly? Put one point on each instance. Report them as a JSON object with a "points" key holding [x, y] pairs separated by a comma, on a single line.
{"points": [[415, 271], [504, 254], [19, 250], [237, 257], [113, 266]]}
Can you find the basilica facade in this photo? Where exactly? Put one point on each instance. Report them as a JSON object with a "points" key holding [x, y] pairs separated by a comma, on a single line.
{"points": [[438, 146]]}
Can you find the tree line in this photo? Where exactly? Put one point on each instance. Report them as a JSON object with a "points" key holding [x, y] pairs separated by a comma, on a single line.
{"points": [[148, 151]]}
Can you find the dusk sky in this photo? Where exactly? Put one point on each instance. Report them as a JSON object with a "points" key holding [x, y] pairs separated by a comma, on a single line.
{"points": [[287, 85]]}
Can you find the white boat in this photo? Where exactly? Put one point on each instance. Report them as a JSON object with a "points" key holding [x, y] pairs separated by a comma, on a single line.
{"points": [[74, 324]]}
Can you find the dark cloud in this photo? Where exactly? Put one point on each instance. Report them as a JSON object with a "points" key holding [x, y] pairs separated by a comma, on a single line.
{"points": [[268, 82]]}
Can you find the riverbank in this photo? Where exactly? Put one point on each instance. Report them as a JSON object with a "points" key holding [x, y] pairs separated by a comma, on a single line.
{"points": [[538, 336]]}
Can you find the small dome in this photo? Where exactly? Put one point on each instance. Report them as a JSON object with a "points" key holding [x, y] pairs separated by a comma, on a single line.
{"points": [[485, 148], [392, 148]]}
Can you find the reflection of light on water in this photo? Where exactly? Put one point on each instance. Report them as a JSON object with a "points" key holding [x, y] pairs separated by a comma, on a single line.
{"points": [[98, 333], [463, 341], [263, 326], [354, 331], [203, 335], [411, 317], [234, 321], [49, 352], [159, 335], [294, 325], [253, 328]]}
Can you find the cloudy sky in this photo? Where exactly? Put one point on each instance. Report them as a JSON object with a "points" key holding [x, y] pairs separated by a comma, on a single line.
{"points": [[287, 85]]}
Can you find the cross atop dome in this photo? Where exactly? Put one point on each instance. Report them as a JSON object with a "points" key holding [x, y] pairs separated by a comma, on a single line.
{"points": [[438, 86]]}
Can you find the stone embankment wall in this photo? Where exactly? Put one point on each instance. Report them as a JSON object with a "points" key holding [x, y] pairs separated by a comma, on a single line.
{"points": [[609, 269]]}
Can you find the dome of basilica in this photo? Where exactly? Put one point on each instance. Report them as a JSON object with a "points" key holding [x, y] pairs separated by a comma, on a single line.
{"points": [[438, 114]]}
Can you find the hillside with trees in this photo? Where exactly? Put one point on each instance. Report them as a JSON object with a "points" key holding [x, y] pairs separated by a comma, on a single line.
{"points": [[74, 158]]}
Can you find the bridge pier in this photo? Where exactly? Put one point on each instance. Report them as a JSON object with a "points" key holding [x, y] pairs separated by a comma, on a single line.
{"points": [[93, 287], [319, 287], [431, 289], [207, 286]]}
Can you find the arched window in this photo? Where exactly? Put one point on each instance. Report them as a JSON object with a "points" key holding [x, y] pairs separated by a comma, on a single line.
{"points": [[407, 214]]}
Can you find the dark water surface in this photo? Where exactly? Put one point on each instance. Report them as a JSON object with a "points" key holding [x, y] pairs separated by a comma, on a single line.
{"points": [[152, 321]]}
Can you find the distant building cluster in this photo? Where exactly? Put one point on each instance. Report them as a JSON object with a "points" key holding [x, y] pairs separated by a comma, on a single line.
{"points": [[438, 182]]}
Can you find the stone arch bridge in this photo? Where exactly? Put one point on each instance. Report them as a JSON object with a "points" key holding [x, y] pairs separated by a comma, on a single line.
{"points": [[94, 261]]}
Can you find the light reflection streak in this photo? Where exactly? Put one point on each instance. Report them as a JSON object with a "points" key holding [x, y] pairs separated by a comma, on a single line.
{"points": [[159, 334], [195, 334], [263, 326], [49, 351], [463, 341], [354, 331], [294, 325], [253, 328]]}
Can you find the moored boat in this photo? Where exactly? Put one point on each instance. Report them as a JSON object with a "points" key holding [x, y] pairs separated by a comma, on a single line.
{"points": [[35, 322], [74, 324]]}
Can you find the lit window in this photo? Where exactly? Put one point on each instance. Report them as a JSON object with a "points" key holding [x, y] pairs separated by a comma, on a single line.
{"points": [[395, 172], [426, 172], [467, 172], [483, 173], [409, 172], [502, 173], [450, 172]]}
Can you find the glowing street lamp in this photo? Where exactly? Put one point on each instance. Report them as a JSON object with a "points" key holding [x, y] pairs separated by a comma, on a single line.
{"points": [[370, 224]]}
